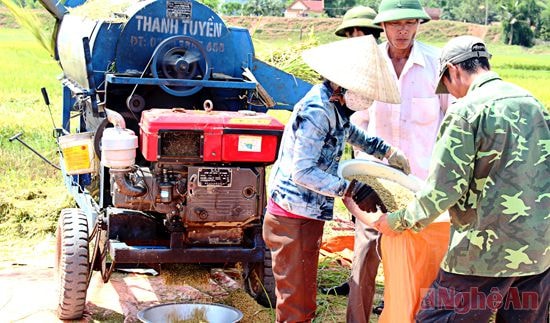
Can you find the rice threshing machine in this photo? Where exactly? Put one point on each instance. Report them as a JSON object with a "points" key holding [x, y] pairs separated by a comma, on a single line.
{"points": [[165, 141]]}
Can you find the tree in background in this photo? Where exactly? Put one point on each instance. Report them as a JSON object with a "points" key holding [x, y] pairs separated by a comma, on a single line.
{"points": [[231, 9], [521, 20], [212, 4], [541, 21], [470, 10], [370, 3], [337, 8], [264, 8], [544, 27], [474, 11]]}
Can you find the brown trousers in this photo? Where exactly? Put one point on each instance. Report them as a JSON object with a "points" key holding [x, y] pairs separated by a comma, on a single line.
{"points": [[464, 298], [294, 245], [362, 282]]}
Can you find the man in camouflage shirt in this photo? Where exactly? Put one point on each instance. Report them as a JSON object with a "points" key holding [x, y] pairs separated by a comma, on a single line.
{"points": [[491, 170]]}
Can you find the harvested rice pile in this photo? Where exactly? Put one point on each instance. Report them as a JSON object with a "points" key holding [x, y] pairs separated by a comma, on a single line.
{"points": [[393, 195], [188, 274], [111, 11], [252, 311]]}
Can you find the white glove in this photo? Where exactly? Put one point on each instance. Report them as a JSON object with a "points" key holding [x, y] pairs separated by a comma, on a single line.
{"points": [[399, 160]]}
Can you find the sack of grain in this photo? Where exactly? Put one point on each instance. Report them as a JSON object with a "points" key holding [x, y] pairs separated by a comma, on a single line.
{"points": [[393, 195], [395, 188]]}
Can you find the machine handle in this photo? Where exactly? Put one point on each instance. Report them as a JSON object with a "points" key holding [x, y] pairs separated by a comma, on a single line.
{"points": [[16, 136], [45, 95]]}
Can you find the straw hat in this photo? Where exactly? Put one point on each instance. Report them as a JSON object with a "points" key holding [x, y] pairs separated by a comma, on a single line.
{"points": [[357, 65]]}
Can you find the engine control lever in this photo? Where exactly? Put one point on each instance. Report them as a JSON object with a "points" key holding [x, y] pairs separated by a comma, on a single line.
{"points": [[17, 137]]}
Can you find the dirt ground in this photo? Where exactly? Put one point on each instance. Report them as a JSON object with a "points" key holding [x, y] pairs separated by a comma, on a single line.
{"points": [[28, 285], [28, 291]]}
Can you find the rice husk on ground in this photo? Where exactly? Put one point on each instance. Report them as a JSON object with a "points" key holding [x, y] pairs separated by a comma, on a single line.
{"points": [[393, 195], [186, 274], [252, 311], [202, 278]]}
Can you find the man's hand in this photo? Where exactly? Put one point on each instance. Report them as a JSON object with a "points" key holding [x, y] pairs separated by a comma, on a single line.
{"points": [[398, 159], [364, 196], [383, 226]]}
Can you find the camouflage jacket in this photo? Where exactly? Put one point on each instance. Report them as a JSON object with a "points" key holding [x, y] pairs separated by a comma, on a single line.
{"points": [[491, 169]]}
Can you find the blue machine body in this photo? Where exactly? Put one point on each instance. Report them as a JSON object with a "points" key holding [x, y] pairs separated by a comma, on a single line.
{"points": [[126, 51]]}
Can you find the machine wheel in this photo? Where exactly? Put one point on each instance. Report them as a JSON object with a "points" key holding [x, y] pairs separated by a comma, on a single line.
{"points": [[260, 283], [71, 263]]}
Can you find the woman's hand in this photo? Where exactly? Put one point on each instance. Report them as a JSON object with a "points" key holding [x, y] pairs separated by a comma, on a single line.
{"points": [[397, 159]]}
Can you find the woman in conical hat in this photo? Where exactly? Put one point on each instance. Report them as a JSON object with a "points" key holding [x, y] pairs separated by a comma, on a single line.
{"points": [[357, 22], [304, 181]]}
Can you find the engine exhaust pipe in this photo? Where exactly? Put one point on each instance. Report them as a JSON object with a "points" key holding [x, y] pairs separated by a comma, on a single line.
{"points": [[125, 186], [56, 8], [115, 118]]}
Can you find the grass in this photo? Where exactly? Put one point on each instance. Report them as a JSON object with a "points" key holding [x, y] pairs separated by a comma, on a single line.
{"points": [[527, 68], [31, 193]]}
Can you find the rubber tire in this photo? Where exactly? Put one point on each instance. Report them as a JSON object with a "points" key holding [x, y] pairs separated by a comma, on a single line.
{"points": [[260, 278], [71, 263]]}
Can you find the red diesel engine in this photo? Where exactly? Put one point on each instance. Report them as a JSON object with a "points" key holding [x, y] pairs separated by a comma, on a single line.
{"points": [[207, 174]]}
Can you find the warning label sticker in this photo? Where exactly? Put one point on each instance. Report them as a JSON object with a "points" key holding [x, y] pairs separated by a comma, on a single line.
{"points": [[179, 9], [250, 144]]}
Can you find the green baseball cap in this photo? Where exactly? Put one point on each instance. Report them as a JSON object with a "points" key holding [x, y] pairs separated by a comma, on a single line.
{"points": [[391, 10], [359, 16], [457, 50]]}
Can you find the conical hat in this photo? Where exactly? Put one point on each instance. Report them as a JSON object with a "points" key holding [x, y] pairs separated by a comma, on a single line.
{"points": [[355, 64]]}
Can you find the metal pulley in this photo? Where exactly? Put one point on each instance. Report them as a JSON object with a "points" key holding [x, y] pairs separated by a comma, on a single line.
{"points": [[136, 103], [181, 58]]}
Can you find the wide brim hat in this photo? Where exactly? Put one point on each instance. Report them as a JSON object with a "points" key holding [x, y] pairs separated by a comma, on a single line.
{"points": [[392, 10], [357, 65], [357, 22], [359, 16]]}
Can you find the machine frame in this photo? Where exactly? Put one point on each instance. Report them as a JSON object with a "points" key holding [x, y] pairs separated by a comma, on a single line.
{"points": [[106, 84]]}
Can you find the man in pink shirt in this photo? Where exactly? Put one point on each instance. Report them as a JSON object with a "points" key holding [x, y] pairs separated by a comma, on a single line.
{"points": [[358, 22], [412, 127]]}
